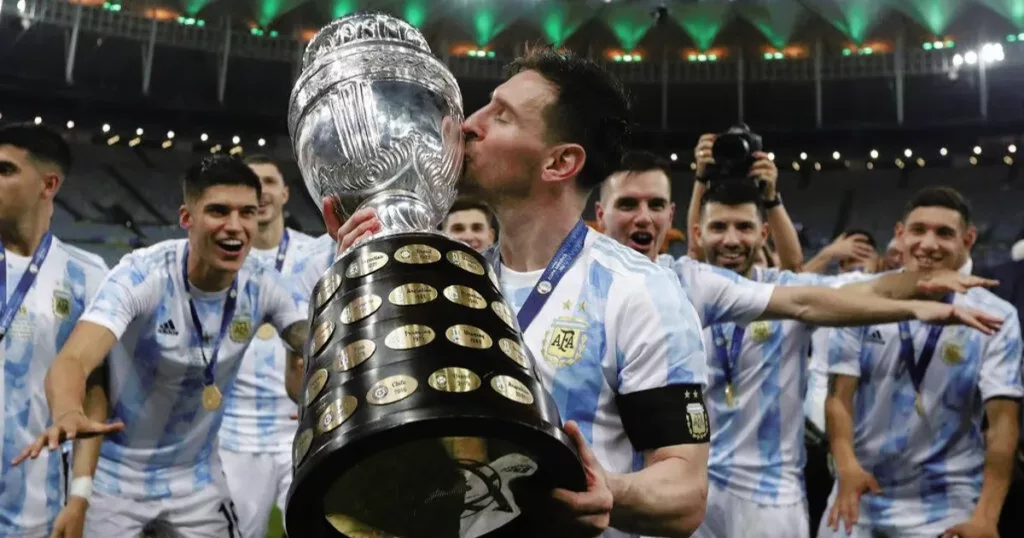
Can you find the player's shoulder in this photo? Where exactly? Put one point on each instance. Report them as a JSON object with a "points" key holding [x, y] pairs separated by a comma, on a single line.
{"points": [[154, 256], [317, 251], [89, 261], [629, 268], [299, 238], [986, 301]]}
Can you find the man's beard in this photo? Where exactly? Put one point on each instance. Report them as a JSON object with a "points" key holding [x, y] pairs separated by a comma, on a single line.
{"points": [[742, 265]]}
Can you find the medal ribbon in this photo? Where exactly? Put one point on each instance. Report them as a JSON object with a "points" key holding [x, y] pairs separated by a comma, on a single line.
{"points": [[731, 356], [567, 253], [225, 322], [919, 367], [10, 309], [282, 250]]}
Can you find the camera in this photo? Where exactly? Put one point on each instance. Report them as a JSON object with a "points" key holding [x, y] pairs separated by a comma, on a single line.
{"points": [[733, 152]]}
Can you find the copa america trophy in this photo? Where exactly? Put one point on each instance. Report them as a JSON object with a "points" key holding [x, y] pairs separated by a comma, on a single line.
{"points": [[421, 414]]}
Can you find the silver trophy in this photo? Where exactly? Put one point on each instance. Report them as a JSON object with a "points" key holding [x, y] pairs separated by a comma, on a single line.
{"points": [[376, 121], [421, 415]]}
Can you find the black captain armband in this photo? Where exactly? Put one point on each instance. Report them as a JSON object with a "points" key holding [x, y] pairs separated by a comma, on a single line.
{"points": [[665, 416]]}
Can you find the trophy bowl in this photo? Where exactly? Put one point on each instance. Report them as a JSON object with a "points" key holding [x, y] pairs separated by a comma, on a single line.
{"points": [[421, 413]]}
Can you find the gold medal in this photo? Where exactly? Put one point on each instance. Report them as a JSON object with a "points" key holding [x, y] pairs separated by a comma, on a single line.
{"points": [[730, 395], [266, 332], [211, 397], [919, 405]]}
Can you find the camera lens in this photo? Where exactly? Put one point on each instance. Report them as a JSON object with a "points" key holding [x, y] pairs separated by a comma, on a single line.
{"points": [[730, 148]]}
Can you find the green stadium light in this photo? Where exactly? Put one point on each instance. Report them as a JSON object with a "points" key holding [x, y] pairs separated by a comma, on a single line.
{"points": [[490, 54], [1012, 38], [768, 56], [847, 52], [273, 33], [927, 46], [778, 55]]}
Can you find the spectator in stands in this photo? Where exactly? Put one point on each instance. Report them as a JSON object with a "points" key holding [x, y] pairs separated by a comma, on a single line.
{"points": [[853, 250], [471, 221], [186, 310], [912, 459], [45, 285], [257, 432]]}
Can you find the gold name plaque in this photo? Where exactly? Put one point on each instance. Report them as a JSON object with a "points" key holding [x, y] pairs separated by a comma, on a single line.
{"points": [[465, 296], [321, 335], [465, 262], [409, 337], [417, 254], [316, 384], [514, 352], [366, 264], [468, 336], [412, 294], [512, 389], [454, 379], [335, 414], [354, 354], [360, 307], [302, 442], [392, 389], [504, 312], [326, 289]]}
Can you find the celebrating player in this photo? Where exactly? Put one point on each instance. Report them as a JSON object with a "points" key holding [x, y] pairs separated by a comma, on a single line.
{"points": [[186, 310]]}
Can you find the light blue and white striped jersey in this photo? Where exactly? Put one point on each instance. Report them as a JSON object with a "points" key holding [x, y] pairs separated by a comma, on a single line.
{"points": [[637, 331], [718, 294], [312, 260], [926, 464], [757, 446], [168, 446], [257, 411], [32, 493]]}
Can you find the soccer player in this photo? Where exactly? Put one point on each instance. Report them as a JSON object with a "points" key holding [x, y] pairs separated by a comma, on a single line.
{"points": [[257, 433], [472, 222], [186, 310], [906, 403], [45, 285], [551, 132]]}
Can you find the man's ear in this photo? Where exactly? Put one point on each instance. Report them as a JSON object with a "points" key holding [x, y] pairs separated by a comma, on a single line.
{"points": [[331, 219], [564, 162], [184, 217]]}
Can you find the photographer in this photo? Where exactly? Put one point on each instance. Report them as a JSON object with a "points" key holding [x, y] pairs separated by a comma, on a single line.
{"points": [[735, 156]]}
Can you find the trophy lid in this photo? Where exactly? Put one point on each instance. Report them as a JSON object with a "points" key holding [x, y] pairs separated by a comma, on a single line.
{"points": [[363, 27]]}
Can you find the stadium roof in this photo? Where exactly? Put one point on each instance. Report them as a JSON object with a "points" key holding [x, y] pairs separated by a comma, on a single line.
{"points": [[627, 24]]}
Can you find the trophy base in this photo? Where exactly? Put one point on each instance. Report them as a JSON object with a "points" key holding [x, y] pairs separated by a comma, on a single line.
{"points": [[434, 473]]}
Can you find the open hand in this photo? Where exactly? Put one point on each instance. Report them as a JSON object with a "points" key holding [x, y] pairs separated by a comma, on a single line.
{"points": [[945, 314], [71, 425], [972, 529], [589, 511], [947, 281], [360, 226], [853, 482]]}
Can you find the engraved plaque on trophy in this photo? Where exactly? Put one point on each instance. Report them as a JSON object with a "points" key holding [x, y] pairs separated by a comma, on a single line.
{"points": [[421, 414]]}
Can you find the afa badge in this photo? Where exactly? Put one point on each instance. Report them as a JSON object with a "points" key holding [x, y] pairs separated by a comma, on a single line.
{"points": [[760, 331], [61, 304], [564, 341], [952, 353], [241, 329], [697, 421]]}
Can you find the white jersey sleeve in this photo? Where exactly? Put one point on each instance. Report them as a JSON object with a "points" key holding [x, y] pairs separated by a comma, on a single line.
{"points": [[1001, 361], [720, 295], [314, 259], [282, 304], [124, 294], [844, 350], [658, 337]]}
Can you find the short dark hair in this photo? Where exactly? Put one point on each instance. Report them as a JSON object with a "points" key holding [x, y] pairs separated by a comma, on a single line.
{"points": [[733, 193], [218, 170], [41, 142], [466, 203], [638, 161], [862, 232], [259, 158], [946, 197], [591, 108]]}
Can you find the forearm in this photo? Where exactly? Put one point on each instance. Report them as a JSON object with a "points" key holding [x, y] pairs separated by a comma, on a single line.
{"points": [[693, 217], [846, 308], [87, 451], [65, 386], [820, 262], [839, 429], [657, 502], [787, 242], [895, 285], [1000, 446]]}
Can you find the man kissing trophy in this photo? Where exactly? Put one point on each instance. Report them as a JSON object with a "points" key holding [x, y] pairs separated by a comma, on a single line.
{"points": [[421, 413]]}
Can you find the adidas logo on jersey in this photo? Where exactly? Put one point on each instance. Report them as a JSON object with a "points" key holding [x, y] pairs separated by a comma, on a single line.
{"points": [[875, 337], [168, 328]]}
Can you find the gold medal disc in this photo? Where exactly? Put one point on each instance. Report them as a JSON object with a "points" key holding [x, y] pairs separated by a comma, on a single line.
{"points": [[919, 405], [211, 397], [730, 395]]}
